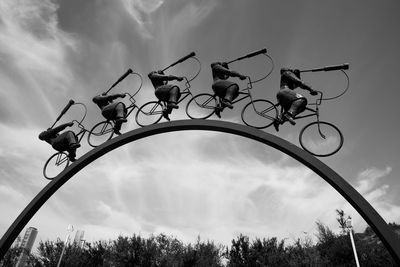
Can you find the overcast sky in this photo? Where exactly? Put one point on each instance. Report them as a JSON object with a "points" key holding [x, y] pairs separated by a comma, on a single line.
{"points": [[190, 184]]}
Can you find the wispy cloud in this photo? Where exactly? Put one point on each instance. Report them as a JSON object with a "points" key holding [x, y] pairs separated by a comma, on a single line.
{"points": [[33, 51]]}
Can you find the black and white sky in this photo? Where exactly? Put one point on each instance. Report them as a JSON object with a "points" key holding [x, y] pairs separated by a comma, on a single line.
{"points": [[191, 184]]}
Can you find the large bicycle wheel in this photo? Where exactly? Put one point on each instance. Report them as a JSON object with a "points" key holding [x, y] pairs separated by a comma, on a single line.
{"points": [[201, 106], [149, 113], [55, 164], [321, 139], [259, 114], [100, 133]]}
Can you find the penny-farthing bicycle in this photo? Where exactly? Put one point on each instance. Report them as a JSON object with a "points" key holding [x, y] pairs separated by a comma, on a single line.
{"points": [[104, 130], [253, 114], [60, 160], [153, 111]]}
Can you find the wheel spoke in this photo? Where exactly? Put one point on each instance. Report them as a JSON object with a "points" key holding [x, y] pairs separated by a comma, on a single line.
{"points": [[321, 138], [100, 133], [259, 114], [201, 106]]}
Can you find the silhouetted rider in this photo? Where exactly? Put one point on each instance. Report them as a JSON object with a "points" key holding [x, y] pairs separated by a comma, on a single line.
{"points": [[165, 92], [292, 102], [66, 141], [226, 90], [111, 110]]}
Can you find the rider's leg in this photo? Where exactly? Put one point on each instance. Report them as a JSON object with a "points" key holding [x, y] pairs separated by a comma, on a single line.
{"points": [[119, 115], [174, 95], [67, 141], [232, 92], [120, 112], [298, 106]]}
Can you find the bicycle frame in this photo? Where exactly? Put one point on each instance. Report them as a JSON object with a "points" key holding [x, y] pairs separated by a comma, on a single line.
{"points": [[313, 112], [132, 106], [184, 93]]}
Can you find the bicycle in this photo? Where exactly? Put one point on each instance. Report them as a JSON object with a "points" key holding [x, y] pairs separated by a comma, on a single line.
{"points": [[60, 160], [319, 138], [153, 111], [259, 106], [104, 130]]}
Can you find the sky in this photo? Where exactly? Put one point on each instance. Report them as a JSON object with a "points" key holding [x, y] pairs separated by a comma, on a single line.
{"points": [[196, 183]]}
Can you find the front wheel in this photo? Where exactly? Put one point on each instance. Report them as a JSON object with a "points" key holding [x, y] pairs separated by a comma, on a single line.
{"points": [[149, 113], [322, 139], [55, 164], [259, 113], [202, 106], [100, 133]]}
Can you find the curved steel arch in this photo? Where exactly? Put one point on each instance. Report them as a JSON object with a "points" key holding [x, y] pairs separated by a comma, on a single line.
{"points": [[387, 236]]}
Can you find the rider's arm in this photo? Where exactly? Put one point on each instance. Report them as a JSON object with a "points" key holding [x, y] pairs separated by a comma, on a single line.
{"points": [[61, 127], [160, 77], [51, 132], [290, 76], [219, 69], [104, 98], [115, 96]]}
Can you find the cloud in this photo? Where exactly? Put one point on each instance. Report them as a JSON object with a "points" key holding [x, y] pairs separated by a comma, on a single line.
{"points": [[368, 178], [34, 63]]}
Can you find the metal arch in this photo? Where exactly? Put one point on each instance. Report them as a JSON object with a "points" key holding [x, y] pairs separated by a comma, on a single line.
{"points": [[381, 228]]}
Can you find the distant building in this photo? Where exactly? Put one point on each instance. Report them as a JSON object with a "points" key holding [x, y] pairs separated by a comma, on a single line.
{"points": [[26, 244], [78, 240]]}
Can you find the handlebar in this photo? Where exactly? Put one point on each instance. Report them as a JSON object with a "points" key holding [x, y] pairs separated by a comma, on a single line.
{"points": [[129, 71], [253, 54], [79, 124], [344, 66], [192, 54]]}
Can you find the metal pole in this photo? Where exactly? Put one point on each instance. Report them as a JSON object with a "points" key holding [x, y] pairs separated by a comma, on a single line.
{"points": [[349, 226], [70, 229]]}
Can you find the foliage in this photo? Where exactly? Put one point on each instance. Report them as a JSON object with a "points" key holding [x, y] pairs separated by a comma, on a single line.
{"points": [[331, 249]]}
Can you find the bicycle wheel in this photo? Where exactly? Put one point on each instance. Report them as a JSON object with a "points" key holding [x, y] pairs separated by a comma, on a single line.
{"points": [[201, 106], [55, 164], [100, 133], [321, 139], [149, 113], [259, 113]]}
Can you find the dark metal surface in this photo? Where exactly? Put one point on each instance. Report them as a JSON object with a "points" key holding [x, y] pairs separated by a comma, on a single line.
{"points": [[381, 228]]}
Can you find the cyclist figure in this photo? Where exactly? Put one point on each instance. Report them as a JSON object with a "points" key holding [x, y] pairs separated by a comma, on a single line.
{"points": [[66, 141], [166, 92], [292, 102], [112, 110], [226, 90]]}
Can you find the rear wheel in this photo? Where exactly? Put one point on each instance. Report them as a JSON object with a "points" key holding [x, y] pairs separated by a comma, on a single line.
{"points": [[201, 106], [100, 133], [321, 139], [149, 113], [55, 164], [259, 113]]}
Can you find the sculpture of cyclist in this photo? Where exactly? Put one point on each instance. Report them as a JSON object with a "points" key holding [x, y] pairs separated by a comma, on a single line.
{"points": [[226, 90], [111, 110], [165, 92], [292, 102], [66, 141]]}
